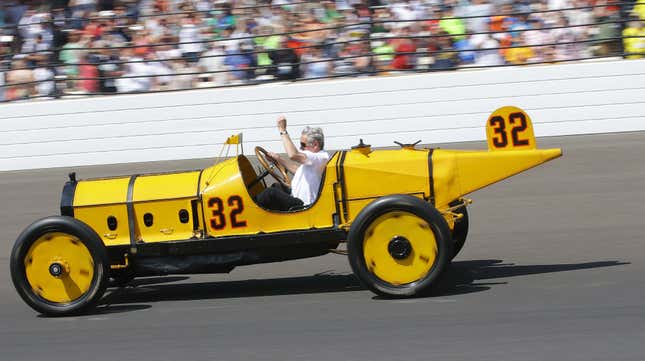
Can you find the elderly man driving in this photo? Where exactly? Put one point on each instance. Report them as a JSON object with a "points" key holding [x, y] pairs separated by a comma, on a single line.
{"points": [[307, 165]]}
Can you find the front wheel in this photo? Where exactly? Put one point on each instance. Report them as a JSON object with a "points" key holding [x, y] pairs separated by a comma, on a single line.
{"points": [[399, 245], [59, 266]]}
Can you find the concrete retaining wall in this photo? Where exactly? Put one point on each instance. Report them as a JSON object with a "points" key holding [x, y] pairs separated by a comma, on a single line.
{"points": [[580, 98]]}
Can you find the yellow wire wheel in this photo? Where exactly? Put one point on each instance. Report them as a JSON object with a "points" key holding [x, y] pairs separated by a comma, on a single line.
{"points": [[399, 245], [59, 266]]}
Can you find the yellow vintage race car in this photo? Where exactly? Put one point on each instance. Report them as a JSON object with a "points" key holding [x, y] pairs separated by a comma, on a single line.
{"points": [[400, 211]]}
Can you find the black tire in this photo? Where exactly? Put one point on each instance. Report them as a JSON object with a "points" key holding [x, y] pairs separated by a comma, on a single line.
{"points": [[399, 204], [92, 244], [460, 231]]}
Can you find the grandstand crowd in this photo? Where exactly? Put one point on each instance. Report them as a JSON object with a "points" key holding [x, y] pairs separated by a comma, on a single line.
{"points": [[51, 48]]}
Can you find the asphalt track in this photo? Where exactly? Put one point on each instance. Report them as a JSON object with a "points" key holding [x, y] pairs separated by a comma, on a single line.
{"points": [[553, 269]]}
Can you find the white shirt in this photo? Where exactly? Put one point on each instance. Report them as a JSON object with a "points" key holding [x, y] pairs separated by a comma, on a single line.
{"points": [[189, 33], [306, 181], [44, 76], [125, 85]]}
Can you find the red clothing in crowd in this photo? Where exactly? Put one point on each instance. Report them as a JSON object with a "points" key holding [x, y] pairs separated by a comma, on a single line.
{"points": [[404, 61], [88, 71]]}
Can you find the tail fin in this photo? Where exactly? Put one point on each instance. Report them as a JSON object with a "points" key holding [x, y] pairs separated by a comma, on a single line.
{"points": [[456, 173], [510, 128]]}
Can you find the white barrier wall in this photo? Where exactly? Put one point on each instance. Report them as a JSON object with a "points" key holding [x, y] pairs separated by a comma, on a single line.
{"points": [[442, 107]]}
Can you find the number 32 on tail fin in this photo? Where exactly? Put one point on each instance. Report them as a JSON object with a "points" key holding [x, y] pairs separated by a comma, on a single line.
{"points": [[509, 128]]}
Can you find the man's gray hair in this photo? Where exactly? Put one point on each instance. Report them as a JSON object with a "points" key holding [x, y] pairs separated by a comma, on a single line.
{"points": [[314, 133]]}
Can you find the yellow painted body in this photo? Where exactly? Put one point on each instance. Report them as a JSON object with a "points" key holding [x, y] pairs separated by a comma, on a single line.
{"points": [[370, 175], [162, 195], [457, 173], [226, 206], [95, 200], [219, 199]]}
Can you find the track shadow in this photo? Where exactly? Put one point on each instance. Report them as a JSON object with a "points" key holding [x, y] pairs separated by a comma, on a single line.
{"points": [[105, 309], [152, 292], [110, 309], [156, 280], [466, 276], [462, 277]]}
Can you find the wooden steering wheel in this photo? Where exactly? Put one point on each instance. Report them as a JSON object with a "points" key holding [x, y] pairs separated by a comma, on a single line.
{"points": [[281, 174]]}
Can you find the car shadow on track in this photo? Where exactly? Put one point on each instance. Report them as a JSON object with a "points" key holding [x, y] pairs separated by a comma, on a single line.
{"points": [[472, 276], [148, 290], [462, 277]]}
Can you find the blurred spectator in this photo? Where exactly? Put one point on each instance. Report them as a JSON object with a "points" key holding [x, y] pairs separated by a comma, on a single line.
{"points": [[379, 18], [519, 53], [444, 56], [213, 61], [161, 71], [107, 68], [315, 64], [186, 77], [189, 37], [88, 72], [479, 11], [634, 41], [537, 37], [608, 30], [266, 41], [71, 56], [225, 18], [32, 24], [564, 37], [488, 53], [36, 44], [138, 76], [242, 63], [404, 49], [44, 75], [452, 25], [285, 62], [639, 9], [330, 12], [353, 59], [2, 84], [20, 81], [2, 15], [215, 42], [466, 54], [383, 51]]}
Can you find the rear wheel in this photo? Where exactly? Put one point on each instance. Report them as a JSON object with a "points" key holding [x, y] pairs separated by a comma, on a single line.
{"points": [[399, 245], [59, 266]]}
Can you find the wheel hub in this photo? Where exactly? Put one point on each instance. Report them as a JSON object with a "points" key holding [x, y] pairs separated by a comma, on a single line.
{"points": [[57, 269], [399, 247]]}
